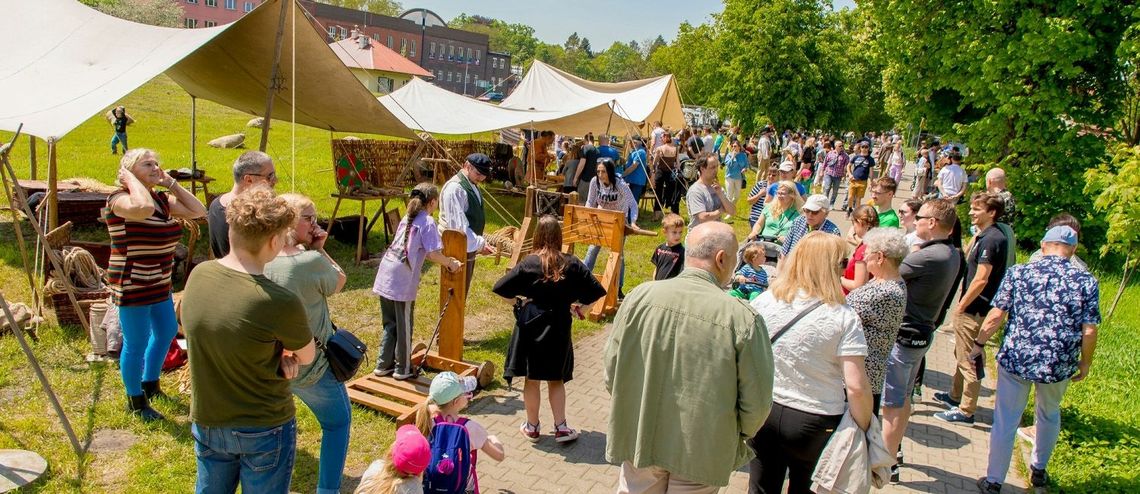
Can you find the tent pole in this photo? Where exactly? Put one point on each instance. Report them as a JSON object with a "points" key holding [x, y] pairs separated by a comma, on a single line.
{"points": [[52, 191], [32, 156], [271, 88], [193, 145]]}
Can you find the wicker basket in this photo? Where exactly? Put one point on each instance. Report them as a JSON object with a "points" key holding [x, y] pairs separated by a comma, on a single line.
{"points": [[65, 312]]}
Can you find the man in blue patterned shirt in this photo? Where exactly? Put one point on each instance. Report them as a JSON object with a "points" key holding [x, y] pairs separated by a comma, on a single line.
{"points": [[1054, 310], [814, 218]]}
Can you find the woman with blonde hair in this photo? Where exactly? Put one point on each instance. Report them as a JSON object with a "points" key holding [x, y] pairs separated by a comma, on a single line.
{"points": [[144, 231], [778, 216], [818, 351], [304, 268]]}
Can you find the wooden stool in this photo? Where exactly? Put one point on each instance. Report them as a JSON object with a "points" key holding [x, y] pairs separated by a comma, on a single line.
{"points": [[363, 230], [204, 181]]}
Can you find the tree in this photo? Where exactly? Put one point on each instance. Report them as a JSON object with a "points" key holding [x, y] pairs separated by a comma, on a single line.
{"points": [[621, 62], [693, 59], [1021, 83], [516, 39], [382, 7], [1116, 186], [154, 12]]}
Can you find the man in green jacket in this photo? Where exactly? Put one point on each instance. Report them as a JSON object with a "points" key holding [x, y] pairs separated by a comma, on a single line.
{"points": [[689, 371]]}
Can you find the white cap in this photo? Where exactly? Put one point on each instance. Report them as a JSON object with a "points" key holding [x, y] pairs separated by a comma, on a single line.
{"points": [[787, 166], [816, 202]]}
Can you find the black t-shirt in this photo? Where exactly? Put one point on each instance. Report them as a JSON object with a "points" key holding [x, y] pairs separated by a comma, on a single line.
{"points": [[861, 167], [669, 261], [694, 145], [590, 161], [120, 124], [990, 247], [219, 229]]}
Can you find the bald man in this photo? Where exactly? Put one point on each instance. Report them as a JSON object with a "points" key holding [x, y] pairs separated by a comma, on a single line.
{"points": [[995, 184], [687, 326]]}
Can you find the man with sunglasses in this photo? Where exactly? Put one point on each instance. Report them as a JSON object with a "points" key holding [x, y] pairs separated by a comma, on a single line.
{"points": [[930, 274], [814, 218], [251, 169]]}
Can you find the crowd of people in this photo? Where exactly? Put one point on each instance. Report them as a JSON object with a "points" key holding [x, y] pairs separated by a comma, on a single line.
{"points": [[796, 349]]}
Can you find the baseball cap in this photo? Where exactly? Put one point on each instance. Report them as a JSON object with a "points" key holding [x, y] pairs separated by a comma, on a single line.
{"points": [[481, 163], [787, 166], [816, 202], [1061, 234], [447, 386], [411, 452]]}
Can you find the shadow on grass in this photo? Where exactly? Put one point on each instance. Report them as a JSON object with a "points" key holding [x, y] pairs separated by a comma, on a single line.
{"points": [[305, 473]]}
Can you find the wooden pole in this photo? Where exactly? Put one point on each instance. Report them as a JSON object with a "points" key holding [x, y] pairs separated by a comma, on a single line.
{"points": [[16, 226], [271, 88], [194, 146], [31, 156], [52, 187]]}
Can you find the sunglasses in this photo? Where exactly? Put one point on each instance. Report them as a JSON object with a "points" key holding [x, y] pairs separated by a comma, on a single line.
{"points": [[267, 176], [923, 217]]}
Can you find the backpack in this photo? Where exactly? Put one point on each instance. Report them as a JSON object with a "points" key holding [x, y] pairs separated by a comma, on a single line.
{"points": [[452, 459]]}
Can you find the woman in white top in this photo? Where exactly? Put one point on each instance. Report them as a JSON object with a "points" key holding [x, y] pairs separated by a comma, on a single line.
{"points": [[908, 214], [609, 191], [818, 362]]}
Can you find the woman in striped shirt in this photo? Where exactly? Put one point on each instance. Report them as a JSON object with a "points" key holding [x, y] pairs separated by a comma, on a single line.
{"points": [[144, 232]]}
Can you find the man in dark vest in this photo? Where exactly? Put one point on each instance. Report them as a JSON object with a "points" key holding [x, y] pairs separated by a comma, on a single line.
{"points": [[461, 207]]}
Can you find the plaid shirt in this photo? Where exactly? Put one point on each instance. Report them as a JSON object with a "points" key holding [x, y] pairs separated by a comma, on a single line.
{"points": [[835, 164], [800, 229]]}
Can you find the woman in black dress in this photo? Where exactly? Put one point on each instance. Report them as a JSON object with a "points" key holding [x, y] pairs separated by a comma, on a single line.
{"points": [[547, 286]]}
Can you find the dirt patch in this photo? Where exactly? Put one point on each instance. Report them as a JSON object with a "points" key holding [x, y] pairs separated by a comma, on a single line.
{"points": [[480, 325], [112, 441], [9, 394]]}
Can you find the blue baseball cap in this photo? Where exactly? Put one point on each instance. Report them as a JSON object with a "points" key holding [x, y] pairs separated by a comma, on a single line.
{"points": [[1061, 234]]}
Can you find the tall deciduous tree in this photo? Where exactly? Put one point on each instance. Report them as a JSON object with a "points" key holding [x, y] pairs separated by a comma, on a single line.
{"points": [[153, 12], [1021, 82], [693, 59]]}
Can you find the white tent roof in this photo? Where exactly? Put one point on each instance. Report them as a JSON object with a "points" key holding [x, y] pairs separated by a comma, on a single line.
{"points": [[645, 100], [65, 62], [424, 106]]}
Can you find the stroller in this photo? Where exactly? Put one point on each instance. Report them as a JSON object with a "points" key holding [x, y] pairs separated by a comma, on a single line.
{"points": [[772, 250]]}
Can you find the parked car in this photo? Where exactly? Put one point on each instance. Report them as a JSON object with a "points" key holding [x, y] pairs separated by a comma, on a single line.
{"points": [[492, 96]]}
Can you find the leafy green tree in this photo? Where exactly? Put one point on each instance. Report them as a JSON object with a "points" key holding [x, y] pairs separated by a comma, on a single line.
{"points": [[621, 62], [1021, 82], [693, 58], [1116, 186], [153, 12]]}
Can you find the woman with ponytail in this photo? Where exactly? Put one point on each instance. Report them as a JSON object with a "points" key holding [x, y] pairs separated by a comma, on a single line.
{"points": [[547, 286], [398, 277]]}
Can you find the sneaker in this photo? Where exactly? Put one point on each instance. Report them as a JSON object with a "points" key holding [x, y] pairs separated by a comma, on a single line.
{"points": [[1038, 478], [987, 487], [954, 415], [530, 431], [404, 377], [899, 458], [564, 434], [1028, 433], [945, 399], [894, 474], [378, 372], [916, 396]]}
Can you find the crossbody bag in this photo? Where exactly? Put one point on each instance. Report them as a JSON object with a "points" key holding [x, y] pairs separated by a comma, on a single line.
{"points": [[794, 320]]}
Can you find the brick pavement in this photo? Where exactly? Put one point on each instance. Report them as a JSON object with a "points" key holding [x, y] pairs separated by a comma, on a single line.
{"points": [[941, 458]]}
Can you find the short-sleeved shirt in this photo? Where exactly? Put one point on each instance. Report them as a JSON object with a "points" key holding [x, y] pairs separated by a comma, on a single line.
{"points": [[236, 326], [773, 187], [1048, 302], [930, 273], [989, 247], [701, 200], [757, 207], [808, 373], [889, 218], [856, 258], [313, 278], [953, 179], [142, 253], [778, 225], [880, 305], [800, 228], [219, 229], [590, 157], [861, 166], [757, 280], [669, 260], [835, 164], [636, 176], [735, 163], [398, 276]]}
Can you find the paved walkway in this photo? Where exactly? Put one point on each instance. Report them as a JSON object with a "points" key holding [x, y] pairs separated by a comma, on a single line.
{"points": [[941, 458]]}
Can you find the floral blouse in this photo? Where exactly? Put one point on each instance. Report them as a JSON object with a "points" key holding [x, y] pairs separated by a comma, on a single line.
{"points": [[880, 305]]}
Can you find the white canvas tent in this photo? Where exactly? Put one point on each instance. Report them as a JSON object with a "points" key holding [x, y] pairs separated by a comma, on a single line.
{"points": [[65, 62], [424, 106], [646, 100]]}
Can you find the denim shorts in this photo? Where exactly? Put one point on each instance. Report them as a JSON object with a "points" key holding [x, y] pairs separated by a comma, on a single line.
{"points": [[902, 369]]}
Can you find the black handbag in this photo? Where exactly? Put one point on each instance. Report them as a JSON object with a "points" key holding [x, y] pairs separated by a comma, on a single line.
{"points": [[345, 352]]}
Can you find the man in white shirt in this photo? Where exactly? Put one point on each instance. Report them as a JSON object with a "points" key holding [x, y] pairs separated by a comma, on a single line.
{"points": [[658, 135], [951, 181], [764, 150], [461, 208]]}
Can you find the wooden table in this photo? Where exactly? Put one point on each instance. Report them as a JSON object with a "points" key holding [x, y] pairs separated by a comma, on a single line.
{"points": [[363, 230], [204, 181]]}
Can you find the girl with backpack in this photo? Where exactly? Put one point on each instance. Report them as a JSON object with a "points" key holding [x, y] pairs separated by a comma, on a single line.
{"points": [[401, 472], [455, 440]]}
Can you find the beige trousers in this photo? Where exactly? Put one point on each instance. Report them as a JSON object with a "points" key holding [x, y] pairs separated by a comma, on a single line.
{"points": [[965, 385], [654, 480]]}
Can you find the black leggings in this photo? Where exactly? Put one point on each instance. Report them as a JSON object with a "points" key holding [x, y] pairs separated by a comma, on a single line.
{"points": [[790, 442], [668, 193]]}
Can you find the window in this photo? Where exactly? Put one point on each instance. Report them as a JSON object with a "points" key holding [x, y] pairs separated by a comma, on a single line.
{"points": [[450, 51], [389, 41], [211, 3], [468, 54], [383, 85], [210, 23], [231, 4], [376, 36], [191, 23], [449, 76], [332, 31], [247, 7], [431, 54], [466, 78], [413, 48], [343, 32], [404, 46], [477, 55], [191, 1]]}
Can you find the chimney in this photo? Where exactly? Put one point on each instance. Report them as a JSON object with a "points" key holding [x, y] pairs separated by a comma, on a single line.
{"points": [[363, 41]]}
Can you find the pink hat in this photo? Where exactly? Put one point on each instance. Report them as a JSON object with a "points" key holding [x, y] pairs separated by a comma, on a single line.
{"points": [[411, 452]]}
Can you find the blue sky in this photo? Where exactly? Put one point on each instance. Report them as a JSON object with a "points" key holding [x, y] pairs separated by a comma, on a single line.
{"points": [[624, 20]]}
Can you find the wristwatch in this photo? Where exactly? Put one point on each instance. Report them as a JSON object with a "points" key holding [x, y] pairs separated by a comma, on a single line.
{"points": [[979, 344]]}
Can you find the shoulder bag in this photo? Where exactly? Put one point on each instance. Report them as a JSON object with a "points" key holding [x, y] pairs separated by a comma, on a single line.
{"points": [[794, 320], [345, 353]]}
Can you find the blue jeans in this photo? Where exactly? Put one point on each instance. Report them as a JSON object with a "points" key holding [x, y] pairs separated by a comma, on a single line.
{"points": [[328, 399], [1010, 399], [637, 191], [592, 258], [831, 188], [117, 138], [261, 458], [147, 332]]}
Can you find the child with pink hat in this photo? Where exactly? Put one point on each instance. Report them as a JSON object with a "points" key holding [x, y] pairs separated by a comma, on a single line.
{"points": [[402, 473]]}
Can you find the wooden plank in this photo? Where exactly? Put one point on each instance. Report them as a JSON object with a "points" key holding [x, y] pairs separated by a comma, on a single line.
{"points": [[441, 363], [453, 292], [609, 281], [380, 387], [378, 403]]}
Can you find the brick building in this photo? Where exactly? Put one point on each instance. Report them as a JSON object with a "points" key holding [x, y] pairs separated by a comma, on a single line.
{"points": [[460, 60]]}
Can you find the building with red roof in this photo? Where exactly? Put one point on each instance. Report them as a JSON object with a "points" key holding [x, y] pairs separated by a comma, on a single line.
{"points": [[378, 67]]}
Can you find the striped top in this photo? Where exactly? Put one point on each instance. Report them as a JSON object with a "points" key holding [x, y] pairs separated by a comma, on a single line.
{"points": [[142, 253]]}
